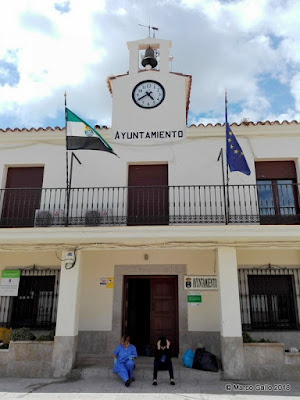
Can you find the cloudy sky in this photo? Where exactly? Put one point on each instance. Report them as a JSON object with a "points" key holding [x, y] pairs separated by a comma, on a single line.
{"points": [[48, 47]]}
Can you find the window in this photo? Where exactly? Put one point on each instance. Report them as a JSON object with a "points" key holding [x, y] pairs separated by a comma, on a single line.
{"points": [[35, 306], [21, 196], [271, 302], [268, 298], [277, 192]]}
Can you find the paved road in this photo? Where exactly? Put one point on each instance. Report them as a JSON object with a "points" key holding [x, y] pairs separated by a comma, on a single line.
{"points": [[91, 389]]}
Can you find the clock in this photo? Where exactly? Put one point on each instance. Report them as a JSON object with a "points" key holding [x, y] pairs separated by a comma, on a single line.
{"points": [[148, 94]]}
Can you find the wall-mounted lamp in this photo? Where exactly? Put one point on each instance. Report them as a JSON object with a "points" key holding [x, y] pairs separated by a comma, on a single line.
{"points": [[70, 259]]}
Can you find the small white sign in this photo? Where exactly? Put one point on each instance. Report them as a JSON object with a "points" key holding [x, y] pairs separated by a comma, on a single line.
{"points": [[194, 299], [103, 281], [10, 281], [201, 282]]}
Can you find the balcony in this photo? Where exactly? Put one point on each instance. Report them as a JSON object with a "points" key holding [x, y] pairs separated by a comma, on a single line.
{"points": [[149, 205]]}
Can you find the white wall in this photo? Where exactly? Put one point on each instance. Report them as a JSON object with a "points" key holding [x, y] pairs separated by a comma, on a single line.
{"points": [[192, 161], [97, 301], [170, 115], [35, 153]]}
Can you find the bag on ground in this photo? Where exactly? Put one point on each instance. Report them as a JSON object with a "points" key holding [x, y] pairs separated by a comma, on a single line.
{"points": [[188, 358], [205, 361]]}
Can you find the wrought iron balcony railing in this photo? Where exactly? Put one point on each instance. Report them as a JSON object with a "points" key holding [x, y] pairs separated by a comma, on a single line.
{"points": [[150, 205]]}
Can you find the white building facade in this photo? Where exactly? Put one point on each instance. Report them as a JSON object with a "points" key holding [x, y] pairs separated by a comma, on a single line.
{"points": [[153, 242]]}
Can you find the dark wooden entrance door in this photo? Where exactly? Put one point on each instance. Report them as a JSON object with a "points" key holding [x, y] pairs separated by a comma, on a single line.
{"points": [[148, 195], [22, 196], [150, 310], [164, 311]]}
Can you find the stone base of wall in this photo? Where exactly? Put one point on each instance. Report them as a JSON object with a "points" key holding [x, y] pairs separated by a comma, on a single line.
{"points": [[3, 362], [232, 357], [289, 338], [268, 361], [209, 340], [292, 359], [97, 343], [64, 355], [100, 343], [251, 361], [27, 360], [34, 359]]}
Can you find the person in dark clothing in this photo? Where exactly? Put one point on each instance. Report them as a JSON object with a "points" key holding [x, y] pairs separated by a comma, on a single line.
{"points": [[162, 359]]}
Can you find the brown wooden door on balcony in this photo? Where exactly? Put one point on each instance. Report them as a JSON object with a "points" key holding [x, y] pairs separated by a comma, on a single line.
{"points": [[148, 195], [22, 196], [277, 192]]}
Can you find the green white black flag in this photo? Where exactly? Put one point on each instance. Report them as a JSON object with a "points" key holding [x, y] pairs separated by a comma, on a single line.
{"points": [[81, 136]]}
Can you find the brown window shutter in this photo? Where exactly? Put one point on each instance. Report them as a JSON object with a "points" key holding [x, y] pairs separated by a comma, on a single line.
{"points": [[31, 177], [275, 170], [22, 196]]}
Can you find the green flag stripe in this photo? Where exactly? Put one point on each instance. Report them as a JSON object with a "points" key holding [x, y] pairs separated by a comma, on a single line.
{"points": [[71, 117]]}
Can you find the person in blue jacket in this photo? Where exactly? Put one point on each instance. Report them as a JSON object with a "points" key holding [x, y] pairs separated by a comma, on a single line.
{"points": [[125, 354]]}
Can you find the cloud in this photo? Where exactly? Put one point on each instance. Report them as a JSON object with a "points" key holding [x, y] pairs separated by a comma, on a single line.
{"points": [[8, 74], [121, 11], [37, 22], [74, 45], [63, 6], [295, 90]]}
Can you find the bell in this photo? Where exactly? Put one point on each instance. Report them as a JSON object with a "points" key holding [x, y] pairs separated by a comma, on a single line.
{"points": [[149, 58]]}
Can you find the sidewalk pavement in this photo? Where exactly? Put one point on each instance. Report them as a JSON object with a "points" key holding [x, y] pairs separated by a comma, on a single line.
{"points": [[110, 389]]}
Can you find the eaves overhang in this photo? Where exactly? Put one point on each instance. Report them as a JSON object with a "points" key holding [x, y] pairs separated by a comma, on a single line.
{"points": [[163, 237]]}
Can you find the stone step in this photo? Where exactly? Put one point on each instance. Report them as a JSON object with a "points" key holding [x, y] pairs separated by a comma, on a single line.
{"points": [[101, 367]]}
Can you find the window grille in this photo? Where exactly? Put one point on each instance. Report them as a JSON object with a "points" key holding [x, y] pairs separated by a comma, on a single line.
{"points": [[35, 306], [269, 298]]}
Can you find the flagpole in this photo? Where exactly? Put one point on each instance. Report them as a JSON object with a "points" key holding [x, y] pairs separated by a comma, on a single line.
{"points": [[226, 122], [223, 179], [227, 175], [67, 162], [71, 168]]}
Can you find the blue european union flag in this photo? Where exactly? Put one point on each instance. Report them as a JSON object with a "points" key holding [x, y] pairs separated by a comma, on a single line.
{"points": [[236, 160]]}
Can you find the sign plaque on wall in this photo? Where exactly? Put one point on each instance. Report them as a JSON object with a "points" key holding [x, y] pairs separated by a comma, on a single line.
{"points": [[10, 280], [194, 299], [201, 282], [107, 282], [110, 283]]}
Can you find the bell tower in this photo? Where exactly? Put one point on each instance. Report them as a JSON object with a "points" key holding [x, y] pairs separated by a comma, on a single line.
{"points": [[158, 46], [149, 102]]}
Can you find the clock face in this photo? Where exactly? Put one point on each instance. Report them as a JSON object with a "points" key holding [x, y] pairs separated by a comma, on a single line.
{"points": [[148, 94]]}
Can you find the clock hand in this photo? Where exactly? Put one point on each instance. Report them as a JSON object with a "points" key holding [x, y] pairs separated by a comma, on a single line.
{"points": [[143, 96]]}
